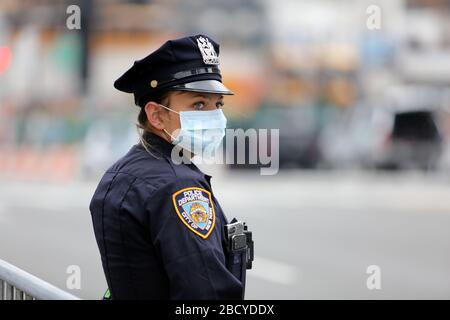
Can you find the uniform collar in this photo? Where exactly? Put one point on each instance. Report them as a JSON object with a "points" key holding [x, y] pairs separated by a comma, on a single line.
{"points": [[164, 147], [158, 144]]}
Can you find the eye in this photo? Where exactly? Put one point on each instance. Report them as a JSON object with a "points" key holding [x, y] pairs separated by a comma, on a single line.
{"points": [[219, 104], [199, 105]]}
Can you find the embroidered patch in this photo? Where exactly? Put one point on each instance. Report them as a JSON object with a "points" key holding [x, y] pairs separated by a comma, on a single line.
{"points": [[195, 208]]}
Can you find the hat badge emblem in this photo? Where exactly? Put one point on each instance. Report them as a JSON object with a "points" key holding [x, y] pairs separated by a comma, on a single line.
{"points": [[207, 50]]}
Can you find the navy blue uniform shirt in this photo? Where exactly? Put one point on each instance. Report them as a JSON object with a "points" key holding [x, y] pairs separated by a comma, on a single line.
{"points": [[159, 229]]}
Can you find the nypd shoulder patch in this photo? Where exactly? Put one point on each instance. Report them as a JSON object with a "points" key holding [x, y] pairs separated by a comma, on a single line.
{"points": [[195, 208]]}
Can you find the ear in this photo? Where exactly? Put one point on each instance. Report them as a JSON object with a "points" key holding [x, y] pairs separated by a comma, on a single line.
{"points": [[153, 112]]}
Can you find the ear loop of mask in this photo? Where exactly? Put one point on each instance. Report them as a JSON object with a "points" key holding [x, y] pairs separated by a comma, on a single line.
{"points": [[168, 108], [172, 137]]}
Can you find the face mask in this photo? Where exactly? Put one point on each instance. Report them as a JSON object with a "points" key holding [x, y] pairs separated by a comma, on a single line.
{"points": [[201, 131]]}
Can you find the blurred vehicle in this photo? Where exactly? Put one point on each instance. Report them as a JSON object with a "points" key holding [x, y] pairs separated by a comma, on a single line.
{"points": [[399, 131], [298, 137], [413, 142]]}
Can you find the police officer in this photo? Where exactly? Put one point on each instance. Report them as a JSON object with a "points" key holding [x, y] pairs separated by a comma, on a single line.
{"points": [[159, 227]]}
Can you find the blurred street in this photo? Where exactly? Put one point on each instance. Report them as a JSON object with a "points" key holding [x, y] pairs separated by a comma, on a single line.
{"points": [[315, 233]]}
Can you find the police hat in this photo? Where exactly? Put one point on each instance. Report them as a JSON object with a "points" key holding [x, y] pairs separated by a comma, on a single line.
{"points": [[186, 64]]}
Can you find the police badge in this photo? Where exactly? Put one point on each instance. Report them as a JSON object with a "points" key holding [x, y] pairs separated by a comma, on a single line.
{"points": [[207, 50], [195, 208]]}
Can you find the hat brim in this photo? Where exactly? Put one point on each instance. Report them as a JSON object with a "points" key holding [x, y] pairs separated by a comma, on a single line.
{"points": [[207, 86]]}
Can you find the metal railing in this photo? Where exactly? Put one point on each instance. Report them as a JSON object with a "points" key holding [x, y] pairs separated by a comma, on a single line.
{"points": [[16, 284]]}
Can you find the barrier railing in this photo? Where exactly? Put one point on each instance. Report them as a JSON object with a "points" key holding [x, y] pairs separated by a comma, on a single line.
{"points": [[16, 284]]}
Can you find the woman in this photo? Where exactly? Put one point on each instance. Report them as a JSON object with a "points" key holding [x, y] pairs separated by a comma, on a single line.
{"points": [[159, 228]]}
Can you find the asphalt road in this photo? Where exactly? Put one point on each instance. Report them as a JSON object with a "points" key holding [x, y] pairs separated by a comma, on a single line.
{"points": [[315, 233]]}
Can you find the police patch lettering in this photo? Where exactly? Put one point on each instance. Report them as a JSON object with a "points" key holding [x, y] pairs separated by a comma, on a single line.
{"points": [[195, 208]]}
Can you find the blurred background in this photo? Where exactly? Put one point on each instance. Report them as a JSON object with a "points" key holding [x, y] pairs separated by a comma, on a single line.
{"points": [[364, 144]]}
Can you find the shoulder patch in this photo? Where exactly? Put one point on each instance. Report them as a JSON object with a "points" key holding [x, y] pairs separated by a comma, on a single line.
{"points": [[195, 208]]}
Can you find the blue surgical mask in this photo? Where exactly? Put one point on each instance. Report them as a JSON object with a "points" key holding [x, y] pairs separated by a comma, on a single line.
{"points": [[201, 132]]}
